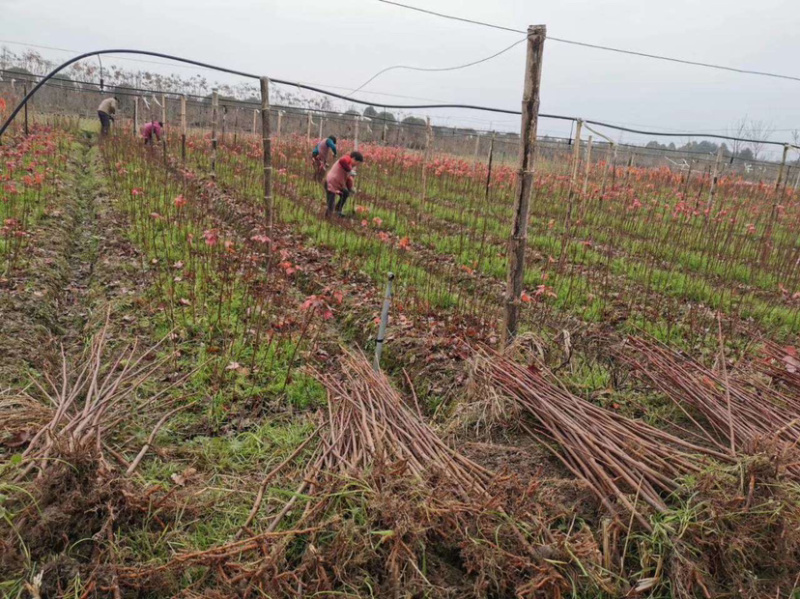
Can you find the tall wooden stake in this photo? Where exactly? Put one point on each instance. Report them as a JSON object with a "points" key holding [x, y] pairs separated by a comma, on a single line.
{"points": [[214, 117], [426, 158], [573, 187], [224, 122], [135, 116], [321, 121], [164, 122], [255, 118], [714, 179], [25, 93], [588, 168], [267, 149], [781, 167], [477, 145], [766, 244], [183, 128], [519, 229], [280, 118], [355, 133]]}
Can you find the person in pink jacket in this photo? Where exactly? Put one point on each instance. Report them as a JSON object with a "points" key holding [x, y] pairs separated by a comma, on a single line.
{"points": [[339, 182], [150, 129]]}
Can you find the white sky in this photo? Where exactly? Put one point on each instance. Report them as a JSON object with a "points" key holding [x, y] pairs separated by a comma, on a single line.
{"points": [[344, 42]]}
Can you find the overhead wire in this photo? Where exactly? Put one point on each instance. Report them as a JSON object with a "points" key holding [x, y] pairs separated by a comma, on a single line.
{"points": [[562, 40], [437, 69]]}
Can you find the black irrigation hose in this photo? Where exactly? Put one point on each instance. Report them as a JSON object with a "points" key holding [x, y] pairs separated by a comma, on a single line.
{"points": [[342, 97]]}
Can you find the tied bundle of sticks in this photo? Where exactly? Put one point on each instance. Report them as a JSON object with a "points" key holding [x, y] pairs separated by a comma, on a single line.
{"points": [[743, 417], [89, 401], [618, 458], [372, 438], [369, 424]]}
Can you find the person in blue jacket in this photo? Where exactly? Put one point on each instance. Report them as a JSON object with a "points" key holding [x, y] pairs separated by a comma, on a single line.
{"points": [[319, 156]]}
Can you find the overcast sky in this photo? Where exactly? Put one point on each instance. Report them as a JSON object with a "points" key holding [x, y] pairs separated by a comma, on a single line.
{"points": [[344, 42]]}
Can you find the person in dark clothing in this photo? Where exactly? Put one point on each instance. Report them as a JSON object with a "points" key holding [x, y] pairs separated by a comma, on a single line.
{"points": [[339, 182], [106, 112]]}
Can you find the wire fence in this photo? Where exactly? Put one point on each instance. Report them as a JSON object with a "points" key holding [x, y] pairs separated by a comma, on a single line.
{"points": [[69, 98]]}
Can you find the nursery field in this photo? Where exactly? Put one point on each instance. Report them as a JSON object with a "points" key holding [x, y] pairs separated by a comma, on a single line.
{"points": [[190, 408]]}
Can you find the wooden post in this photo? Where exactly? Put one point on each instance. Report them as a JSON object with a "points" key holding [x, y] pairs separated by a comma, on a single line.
{"points": [[164, 112], [477, 144], [135, 116], [426, 157], [308, 126], [267, 149], [214, 117], [224, 122], [519, 229], [280, 118], [767, 242], [25, 93], [321, 120], [714, 178], [780, 168], [183, 128], [609, 164], [573, 187], [355, 134], [164, 124], [588, 167], [255, 118]]}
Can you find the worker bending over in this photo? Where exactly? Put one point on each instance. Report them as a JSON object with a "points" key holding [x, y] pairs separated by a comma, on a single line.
{"points": [[106, 112], [339, 182], [151, 129], [319, 156]]}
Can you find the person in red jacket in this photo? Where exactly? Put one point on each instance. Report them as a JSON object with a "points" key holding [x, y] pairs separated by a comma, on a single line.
{"points": [[339, 182]]}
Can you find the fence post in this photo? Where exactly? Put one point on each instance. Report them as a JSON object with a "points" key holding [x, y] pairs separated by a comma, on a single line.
{"points": [[767, 243], [781, 167], [573, 184], [387, 302], [267, 148], [425, 159], [321, 121], [224, 122], [164, 121], [519, 229], [714, 178], [588, 168], [477, 144], [183, 128], [135, 116], [255, 117], [24, 94], [214, 117], [280, 118], [355, 134], [308, 127]]}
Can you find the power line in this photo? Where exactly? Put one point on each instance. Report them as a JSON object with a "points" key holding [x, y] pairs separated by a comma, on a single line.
{"points": [[599, 46], [437, 70]]}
